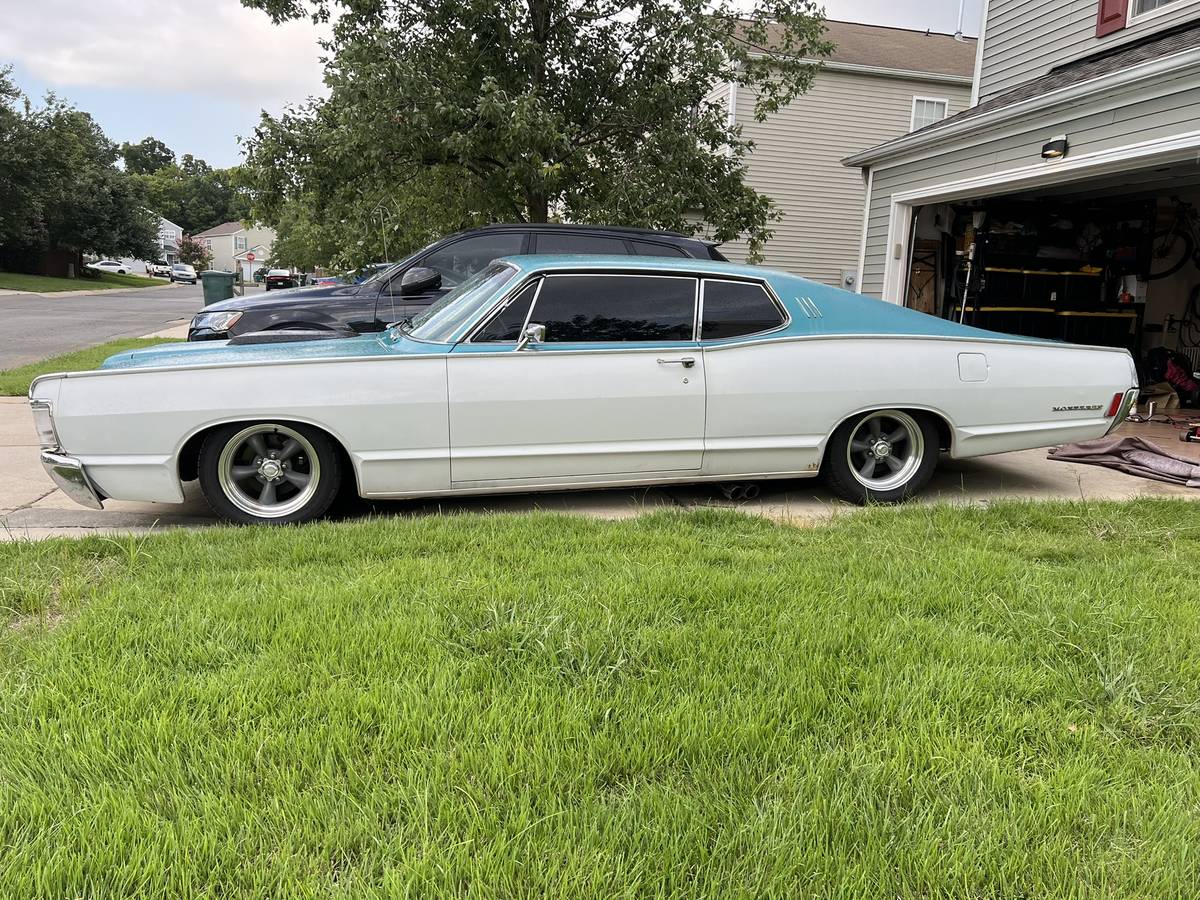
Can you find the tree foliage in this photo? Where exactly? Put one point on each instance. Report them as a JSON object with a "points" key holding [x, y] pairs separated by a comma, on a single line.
{"points": [[146, 156], [60, 187], [452, 112], [194, 253], [194, 195]]}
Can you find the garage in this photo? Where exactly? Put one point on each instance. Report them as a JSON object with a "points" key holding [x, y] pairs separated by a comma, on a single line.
{"points": [[1064, 206], [1108, 261]]}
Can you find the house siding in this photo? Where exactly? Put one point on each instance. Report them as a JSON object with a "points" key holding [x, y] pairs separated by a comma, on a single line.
{"points": [[1113, 119], [796, 162], [1023, 40]]}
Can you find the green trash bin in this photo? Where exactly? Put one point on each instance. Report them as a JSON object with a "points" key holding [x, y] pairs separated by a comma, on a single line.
{"points": [[217, 286]]}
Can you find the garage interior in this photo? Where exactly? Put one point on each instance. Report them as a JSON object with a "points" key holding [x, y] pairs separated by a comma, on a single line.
{"points": [[1112, 261]]}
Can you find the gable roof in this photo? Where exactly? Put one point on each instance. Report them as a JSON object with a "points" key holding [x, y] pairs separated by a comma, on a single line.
{"points": [[882, 47], [1070, 74], [220, 230]]}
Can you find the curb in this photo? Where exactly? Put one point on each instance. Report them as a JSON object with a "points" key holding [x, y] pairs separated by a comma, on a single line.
{"points": [[51, 295]]}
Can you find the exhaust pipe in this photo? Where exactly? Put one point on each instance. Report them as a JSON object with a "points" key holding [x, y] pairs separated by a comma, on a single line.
{"points": [[740, 490]]}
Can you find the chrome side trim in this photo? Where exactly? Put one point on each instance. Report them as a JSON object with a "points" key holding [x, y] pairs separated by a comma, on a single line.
{"points": [[69, 475], [733, 343]]}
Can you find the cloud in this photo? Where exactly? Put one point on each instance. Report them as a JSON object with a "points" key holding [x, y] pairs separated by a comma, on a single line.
{"points": [[216, 48]]}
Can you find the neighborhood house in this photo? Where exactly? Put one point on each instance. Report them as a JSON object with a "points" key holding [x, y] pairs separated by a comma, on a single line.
{"points": [[233, 243], [879, 83], [1062, 203]]}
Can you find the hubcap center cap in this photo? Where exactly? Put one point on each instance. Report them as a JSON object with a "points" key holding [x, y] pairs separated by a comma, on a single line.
{"points": [[881, 449], [270, 469]]}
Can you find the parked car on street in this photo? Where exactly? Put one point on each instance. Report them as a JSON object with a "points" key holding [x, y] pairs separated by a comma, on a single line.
{"points": [[110, 265], [158, 270], [279, 278], [182, 272], [394, 293], [555, 372]]}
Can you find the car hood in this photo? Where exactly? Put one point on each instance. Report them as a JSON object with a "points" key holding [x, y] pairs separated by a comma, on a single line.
{"points": [[221, 353], [289, 297]]}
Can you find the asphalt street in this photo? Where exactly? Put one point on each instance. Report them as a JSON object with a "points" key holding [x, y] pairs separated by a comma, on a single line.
{"points": [[34, 326]]}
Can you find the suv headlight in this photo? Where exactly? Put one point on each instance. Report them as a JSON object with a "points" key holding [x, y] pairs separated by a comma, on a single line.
{"points": [[217, 321], [43, 421]]}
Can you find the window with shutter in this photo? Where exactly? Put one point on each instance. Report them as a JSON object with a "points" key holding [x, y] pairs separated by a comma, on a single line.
{"points": [[1111, 17]]}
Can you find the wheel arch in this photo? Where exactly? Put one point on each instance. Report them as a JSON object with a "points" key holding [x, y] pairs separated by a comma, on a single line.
{"points": [[941, 421], [187, 456]]}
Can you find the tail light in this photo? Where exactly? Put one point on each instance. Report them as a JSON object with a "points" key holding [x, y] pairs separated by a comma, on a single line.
{"points": [[1115, 406]]}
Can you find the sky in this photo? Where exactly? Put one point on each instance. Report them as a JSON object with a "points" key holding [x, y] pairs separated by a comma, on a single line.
{"points": [[196, 73]]}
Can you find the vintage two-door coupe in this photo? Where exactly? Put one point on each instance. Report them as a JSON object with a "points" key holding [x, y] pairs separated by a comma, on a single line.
{"points": [[552, 372]]}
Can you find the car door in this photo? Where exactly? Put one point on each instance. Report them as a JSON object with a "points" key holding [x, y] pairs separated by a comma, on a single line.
{"points": [[616, 389], [455, 261]]}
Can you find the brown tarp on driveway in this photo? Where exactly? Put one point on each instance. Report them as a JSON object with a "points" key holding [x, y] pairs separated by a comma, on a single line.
{"points": [[1134, 456]]}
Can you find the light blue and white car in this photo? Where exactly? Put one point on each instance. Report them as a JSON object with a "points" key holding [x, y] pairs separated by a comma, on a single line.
{"points": [[554, 372]]}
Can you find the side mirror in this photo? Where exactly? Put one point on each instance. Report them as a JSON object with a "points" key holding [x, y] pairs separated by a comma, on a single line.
{"points": [[533, 334], [419, 279]]}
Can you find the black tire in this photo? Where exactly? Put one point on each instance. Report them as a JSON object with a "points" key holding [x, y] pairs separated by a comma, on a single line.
{"points": [[1170, 251], [231, 448], [916, 453]]}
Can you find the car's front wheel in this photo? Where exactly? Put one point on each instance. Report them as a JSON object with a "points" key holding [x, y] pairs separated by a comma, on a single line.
{"points": [[269, 472], [882, 456]]}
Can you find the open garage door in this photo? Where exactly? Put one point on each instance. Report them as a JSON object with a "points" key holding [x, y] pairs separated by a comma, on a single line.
{"points": [[1114, 261]]}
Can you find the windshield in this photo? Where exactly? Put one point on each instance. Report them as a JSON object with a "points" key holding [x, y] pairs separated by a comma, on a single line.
{"points": [[461, 306], [374, 276]]}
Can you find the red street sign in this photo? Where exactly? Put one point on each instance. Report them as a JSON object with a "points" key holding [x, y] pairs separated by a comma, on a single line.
{"points": [[249, 257]]}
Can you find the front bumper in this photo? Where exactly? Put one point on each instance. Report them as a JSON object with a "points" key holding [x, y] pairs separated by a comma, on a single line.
{"points": [[68, 473]]}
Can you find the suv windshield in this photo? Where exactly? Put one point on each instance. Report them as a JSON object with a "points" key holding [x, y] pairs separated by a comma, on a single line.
{"points": [[462, 306], [374, 276]]}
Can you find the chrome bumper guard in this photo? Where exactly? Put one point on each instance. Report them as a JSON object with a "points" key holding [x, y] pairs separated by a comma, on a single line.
{"points": [[1125, 409], [67, 472]]}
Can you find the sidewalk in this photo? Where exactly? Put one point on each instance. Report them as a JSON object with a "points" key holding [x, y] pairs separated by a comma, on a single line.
{"points": [[51, 295]]}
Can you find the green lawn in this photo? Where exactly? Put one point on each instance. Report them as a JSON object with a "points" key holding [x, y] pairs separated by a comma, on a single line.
{"points": [[42, 284], [923, 702], [15, 382]]}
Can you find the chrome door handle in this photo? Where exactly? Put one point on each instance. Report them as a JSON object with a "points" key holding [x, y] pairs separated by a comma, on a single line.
{"points": [[687, 362]]}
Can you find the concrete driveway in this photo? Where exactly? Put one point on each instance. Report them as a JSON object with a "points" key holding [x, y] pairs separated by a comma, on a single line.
{"points": [[31, 507]]}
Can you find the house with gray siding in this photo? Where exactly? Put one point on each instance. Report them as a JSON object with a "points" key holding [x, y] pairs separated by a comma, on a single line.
{"points": [[1059, 203], [879, 83]]}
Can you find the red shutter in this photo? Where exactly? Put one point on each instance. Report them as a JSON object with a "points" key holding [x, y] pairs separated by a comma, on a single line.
{"points": [[1111, 17]]}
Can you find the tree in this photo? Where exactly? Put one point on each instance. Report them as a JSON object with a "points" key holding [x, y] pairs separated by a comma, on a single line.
{"points": [[147, 156], [60, 187], [194, 253], [593, 110], [194, 195]]}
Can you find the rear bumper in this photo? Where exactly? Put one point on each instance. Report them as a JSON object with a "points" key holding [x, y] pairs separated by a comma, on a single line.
{"points": [[68, 473]]}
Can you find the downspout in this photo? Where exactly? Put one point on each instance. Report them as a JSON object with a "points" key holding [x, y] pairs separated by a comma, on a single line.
{"points": [[862, 247]]}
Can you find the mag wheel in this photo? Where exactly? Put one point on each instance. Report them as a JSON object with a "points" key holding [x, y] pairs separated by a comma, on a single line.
{"points": [[269, 472], [883, 456]]}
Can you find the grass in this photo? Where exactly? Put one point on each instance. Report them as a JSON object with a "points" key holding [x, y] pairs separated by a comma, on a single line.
{"points": [[15, 382], [44, 284], [925, 702]]}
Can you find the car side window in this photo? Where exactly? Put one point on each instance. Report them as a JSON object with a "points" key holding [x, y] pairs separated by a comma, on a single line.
{"points": [[736, 308], [649, 248], [563, 242], [459, 261], [613, 308], [506, 324]]}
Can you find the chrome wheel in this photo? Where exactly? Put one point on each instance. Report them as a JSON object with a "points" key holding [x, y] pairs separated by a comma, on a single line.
{"points": [[268, 471], [885, 449]]}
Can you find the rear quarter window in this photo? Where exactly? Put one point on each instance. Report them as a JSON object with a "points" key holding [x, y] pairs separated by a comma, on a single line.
{"points": [[737, 308]]}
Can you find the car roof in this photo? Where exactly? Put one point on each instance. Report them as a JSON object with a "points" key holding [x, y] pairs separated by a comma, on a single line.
{"points": [[550, 262], [630, 231]]}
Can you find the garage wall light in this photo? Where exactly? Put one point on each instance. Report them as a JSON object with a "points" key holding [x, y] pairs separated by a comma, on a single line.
{"points": [[1056, 147]]}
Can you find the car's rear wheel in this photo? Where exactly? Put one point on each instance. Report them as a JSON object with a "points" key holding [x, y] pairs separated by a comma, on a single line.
{"points": [[269, 473], [882, 456]]}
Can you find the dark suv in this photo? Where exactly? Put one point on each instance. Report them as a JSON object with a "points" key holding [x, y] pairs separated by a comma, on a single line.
{"points": [[409, 286]]}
